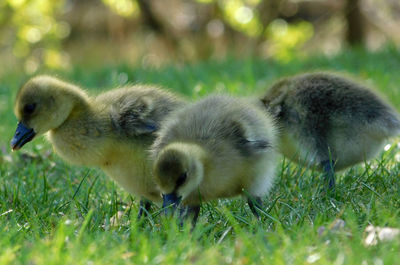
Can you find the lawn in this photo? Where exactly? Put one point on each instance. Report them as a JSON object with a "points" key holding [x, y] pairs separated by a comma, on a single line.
{"points": [[54, 213]]}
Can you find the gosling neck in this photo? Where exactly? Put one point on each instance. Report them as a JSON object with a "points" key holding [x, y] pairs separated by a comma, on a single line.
{"points": [[76, 95], [75, 102]]}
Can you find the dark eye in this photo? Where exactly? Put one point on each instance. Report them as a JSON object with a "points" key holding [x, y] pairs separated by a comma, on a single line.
{"points": [[181, 179], [29, 108]]}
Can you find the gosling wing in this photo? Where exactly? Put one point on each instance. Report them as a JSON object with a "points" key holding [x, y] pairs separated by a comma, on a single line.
{"points": [[133, 117], [141, 109], [247, 145]]}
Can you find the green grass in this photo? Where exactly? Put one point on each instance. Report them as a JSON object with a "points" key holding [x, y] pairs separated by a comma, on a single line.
{"points": [[53, 213]]}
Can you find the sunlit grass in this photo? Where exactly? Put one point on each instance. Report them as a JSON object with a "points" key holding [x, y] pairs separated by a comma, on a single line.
{"points": [[53, 213]]}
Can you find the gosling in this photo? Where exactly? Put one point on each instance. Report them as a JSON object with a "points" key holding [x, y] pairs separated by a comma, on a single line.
{"points": [[330, 121], [112, 131], [219, 147]]}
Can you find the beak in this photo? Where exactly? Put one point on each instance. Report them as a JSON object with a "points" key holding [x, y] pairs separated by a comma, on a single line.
{"points": [[170, 203], [22, 135]]}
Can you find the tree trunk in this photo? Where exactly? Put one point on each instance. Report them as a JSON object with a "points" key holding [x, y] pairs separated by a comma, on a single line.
{"points": [[355, 23]]}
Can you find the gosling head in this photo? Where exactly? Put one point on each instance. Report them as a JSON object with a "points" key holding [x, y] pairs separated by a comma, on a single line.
{"points": [[178, 171], [42, 104]]}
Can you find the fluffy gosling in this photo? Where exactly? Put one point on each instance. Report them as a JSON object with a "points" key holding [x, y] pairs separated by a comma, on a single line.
{"points": [[112, 131], [219, 147], [330, 121]]}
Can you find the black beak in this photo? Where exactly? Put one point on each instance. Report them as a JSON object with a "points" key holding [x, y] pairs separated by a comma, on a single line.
{"points": [[22, 135], [170, 203]]}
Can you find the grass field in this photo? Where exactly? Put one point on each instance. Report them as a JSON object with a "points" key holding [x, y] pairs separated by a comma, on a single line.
{"points": [[53, 213]]}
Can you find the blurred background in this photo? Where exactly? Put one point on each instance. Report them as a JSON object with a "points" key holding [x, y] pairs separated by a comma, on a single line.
{"points": [[51, 34]]}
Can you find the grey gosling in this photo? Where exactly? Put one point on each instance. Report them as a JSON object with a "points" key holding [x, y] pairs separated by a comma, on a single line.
{"points": [[330, 121], [112, 131], [218, 147]]}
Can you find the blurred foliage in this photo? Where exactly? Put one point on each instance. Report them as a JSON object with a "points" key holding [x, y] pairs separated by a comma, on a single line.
{"points": [[32, 29], [286, 37], [125, 8], [242, 16], [35, 33], [58, 34]]}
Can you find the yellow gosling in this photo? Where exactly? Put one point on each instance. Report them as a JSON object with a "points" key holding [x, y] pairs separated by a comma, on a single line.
{"points": [[219, 147], [112, 131]]}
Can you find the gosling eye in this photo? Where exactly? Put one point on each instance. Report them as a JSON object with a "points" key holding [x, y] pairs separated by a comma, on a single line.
{"points": [[29, 108], [181, 179]]}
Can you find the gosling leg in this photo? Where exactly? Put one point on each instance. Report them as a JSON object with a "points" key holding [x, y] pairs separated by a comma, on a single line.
{"points": [[193, 211], [254, 204], [329, 172], [144, 207], [189, 212], [316, 131]]}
